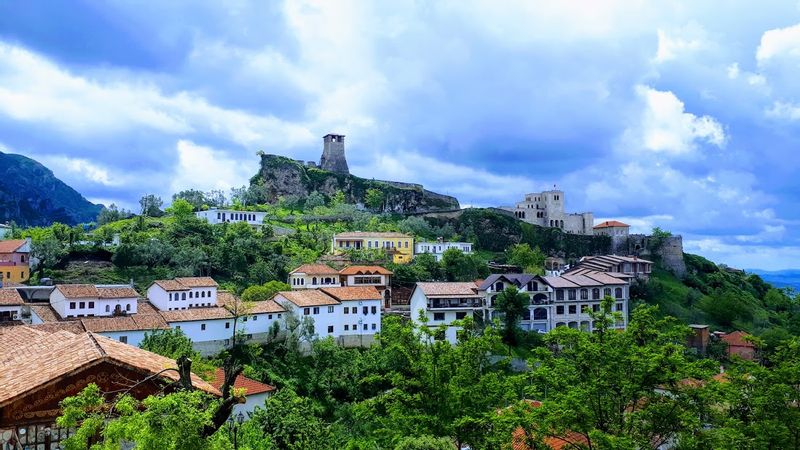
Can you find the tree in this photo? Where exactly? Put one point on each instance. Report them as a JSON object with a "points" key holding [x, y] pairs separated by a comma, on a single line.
{"points": [[264, 292], [374, 199], [195, 198], [458, 266], [111, 214], [290, 422], [49, 252], [172, 343], [512, 304], [181, 209], [314, 200], [530, 260], [424, 443], [151, 205], [337, 199]]}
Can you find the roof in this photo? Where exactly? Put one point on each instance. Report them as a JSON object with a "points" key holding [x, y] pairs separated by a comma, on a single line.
{"points": [[604, 263], [611, 224], [344, 294], [315, 269], [366, 234], [117, 292], [45, 312], [519, 279], [458, 289], [72, 326], [197, 282], [134, 322], [251, 386], [194, 314], [45, 358], [365, 270], [233, 303], [170, 285], [307, 297], [145, 307], [97, 291], [737, 339], [11, 245], [10, 297]]}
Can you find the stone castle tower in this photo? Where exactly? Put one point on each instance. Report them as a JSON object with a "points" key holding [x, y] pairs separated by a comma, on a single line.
{"points": [[333, 158]]}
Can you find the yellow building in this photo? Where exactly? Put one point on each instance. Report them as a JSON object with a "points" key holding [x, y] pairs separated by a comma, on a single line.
{"points": [[14, 261], [400, 246]]}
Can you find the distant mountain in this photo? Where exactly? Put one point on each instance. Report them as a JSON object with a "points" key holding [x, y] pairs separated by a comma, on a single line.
{"points": [[780, 278], [31, 195]]}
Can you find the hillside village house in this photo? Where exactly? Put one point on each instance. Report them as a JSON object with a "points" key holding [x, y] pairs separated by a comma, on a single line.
{"points": [[217, 216], [738, 345], [438, 248], [127, 329], [565, 300], [612, 228], [42, 368], [15, 261], [183, 293], [444, 303], [10, 305], [375, 276], [398, 245], [87, 300], [256, 393], [313, 276], [626, 265]]}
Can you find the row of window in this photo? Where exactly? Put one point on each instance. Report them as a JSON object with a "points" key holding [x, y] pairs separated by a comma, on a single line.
{"points": [[440, 248], [8, 275], [573, 293], [82, 305], [584, 308], [193, 305], [365, 327], [366, 310], [367, 280], [439, 316], [182, 295], [237, 216]]}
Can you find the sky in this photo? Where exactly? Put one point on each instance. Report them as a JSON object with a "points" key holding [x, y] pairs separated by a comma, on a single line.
{"points": [[679, 114]]}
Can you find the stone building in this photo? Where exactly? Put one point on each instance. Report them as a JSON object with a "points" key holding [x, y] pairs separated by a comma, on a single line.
{"points": [[546, 209], [333, 158]]}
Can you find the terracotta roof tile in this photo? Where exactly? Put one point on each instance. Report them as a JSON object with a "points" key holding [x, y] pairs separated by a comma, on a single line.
{"points": [[736, 338], [353, 293], [133, 322], [366, 234], [459, 289], [78, 290], [316, 269], [251, 386], [45, 312], [145, 307], [17, 336], [117, 292], [11, 245], [234, 303], [197, 282], [72, 326], [365, 270], [170, 285], [192, 314], [611, 223], [306, 297], [10, 297]]}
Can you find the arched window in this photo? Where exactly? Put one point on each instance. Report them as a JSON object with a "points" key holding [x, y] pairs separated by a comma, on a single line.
{"points": [[128, 307], [526, 314], [584, 294], [203, 294], [183, 296], [498, 286], [595, 294], [540, 314], [314, 280], [108, 308], [560, 324], [618, 292], [607, 292], [492, 301]]}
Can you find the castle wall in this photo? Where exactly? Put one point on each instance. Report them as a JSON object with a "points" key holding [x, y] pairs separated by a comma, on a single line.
{"points": [[333, 158]]}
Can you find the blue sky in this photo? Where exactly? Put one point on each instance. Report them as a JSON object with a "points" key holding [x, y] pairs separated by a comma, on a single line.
{"points": [[684, 116]]}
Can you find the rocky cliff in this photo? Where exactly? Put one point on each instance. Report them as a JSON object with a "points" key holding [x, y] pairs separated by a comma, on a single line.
{"points": [[281, 176], [31, 195]]}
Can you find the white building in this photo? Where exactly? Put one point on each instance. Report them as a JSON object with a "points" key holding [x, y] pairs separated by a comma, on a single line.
{"points": [[10, 305], [216, 216], [612, 228], [183, 293], [87, 300], [537, 316], [627, 265], [130, 330], [360, 310], [444, 303], [313, 276], [437, 249], [546, 209], [376, 276]]}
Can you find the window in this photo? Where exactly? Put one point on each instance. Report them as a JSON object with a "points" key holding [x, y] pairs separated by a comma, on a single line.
{"points": [[202, 294], [191, 294], [255, 318], [330, 328], [354, 310], [584, 294], [572, 294], [355, 327], [595, 308], [71, 305], [330, 309], [365, 327], [365, 309], [560, 309], [573, 309], [618, 292], [128, 307], [373, 309], [438, 316], [595, 294], [306, 311], [123, 339], [279, 316], [183, 296], [82, 305], [91, 304], [347, 328], [347, 310], [619, 306], [607, 292], [560, 294], [316, 310], [202, 327], [108, 308], [177, 327], [227, 325], [170, 297], [244, 318], [269, 317], [584, 309], [461, 315], [540, 314], [374, 326]]}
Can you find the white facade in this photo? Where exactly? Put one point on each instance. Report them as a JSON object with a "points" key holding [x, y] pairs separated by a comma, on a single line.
{"points": [[447, 308], [359, 317], [5, 231], [337, 318], [216, 216], [67, 305], [10, 312], [252, 401], [546, 209], [130, 337], [173, 299], [438, 248], [205, 330]]}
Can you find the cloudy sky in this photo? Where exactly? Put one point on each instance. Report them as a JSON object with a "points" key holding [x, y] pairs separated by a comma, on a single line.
{"points": [[685, 116]]}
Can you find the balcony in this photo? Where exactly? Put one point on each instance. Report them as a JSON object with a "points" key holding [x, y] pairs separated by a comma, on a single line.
{"points": [[455, 303]]}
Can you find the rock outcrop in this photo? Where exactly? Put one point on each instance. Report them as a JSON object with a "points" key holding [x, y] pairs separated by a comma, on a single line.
{"points": [[280, 176], [30, 195]]}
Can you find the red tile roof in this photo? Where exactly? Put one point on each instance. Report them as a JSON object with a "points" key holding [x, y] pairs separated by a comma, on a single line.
{"points": [[234, 304], [307, 297], [315, 269], [365, 270], [458, 289], [736, 339], [353, 293], [197, 282], [11, 245], [251, 386], [611, 223], [193, 314], [10, 297]]}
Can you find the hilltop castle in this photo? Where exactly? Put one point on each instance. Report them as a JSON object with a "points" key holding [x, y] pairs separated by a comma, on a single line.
{"points": [[546, 209]]}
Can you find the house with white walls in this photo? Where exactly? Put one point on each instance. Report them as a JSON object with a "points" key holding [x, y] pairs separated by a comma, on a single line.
{"points": [[127, 329], [360, 314], [218, 216], [445, 303], [11, 304], [316, 304], [437, 248], [376, 276], [313, 276], [254, 319], [536, 316], [88, 300], [255, 392], [183, 293]]}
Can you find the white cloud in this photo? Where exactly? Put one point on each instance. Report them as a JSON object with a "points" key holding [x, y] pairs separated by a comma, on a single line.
{"points": [[70, 168], [783, 110], [674, 43], [779, 42], [665, 126], [206, 168], [743, 256], [733, 71]]}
